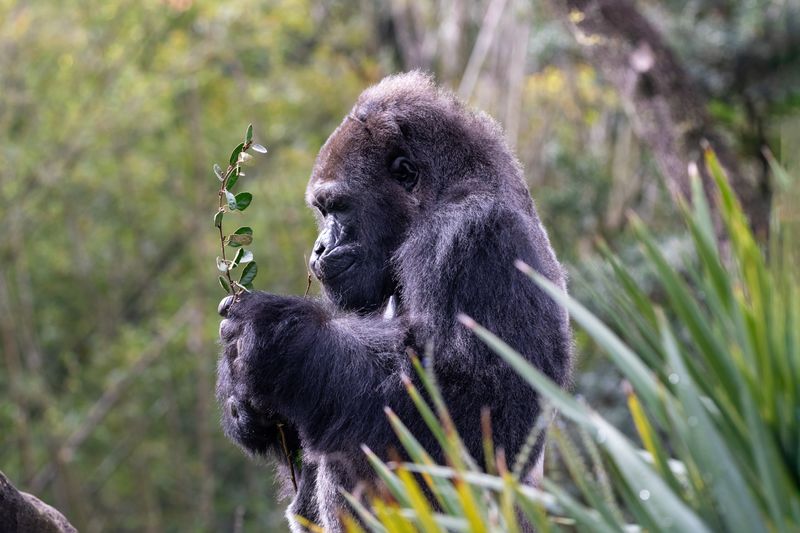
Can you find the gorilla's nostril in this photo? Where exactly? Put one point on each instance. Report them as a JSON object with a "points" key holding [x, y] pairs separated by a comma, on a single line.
{"points": [[319, 249]]}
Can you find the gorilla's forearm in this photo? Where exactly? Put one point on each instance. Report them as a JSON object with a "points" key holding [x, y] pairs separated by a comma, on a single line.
{"points": [[331, 376]]}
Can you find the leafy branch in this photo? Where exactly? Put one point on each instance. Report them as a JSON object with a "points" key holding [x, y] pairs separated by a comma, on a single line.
{"points": [[243, 236], [240, 238]]}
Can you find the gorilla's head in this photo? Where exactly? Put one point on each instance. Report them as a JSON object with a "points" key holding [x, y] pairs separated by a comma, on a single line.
{"points": [[363, 193], [405, 148]]}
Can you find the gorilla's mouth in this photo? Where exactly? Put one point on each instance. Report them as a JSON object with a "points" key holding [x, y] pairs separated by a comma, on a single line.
{"points": [[331, 266], [332, 276]]}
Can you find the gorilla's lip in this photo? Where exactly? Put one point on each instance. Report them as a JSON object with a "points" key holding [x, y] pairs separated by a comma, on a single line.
{"points": [[339, 261], [328, 276]]}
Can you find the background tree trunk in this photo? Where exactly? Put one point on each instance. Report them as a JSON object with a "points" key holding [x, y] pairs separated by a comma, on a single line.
{"points": [[667, 111]]}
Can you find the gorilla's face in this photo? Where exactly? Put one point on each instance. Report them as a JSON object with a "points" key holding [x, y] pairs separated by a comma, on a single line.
{"points": [[362, 188]]}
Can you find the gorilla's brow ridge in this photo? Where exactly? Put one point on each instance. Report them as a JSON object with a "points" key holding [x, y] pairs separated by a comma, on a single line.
{"points": [[353, 117], [360, 121]]}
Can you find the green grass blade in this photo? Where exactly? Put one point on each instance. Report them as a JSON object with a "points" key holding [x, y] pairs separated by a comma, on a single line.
{"points": [[626, 360], [711, 451], [665, 506]]}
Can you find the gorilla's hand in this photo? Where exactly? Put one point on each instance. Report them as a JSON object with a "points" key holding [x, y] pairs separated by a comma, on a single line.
{"points": [[255, 333]]}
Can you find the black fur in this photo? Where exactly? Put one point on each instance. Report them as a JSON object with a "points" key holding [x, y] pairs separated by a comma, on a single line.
{"points": [[421, 201]]}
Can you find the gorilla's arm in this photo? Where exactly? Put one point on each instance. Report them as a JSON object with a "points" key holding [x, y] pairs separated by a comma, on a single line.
{"points": [[330, 374]]}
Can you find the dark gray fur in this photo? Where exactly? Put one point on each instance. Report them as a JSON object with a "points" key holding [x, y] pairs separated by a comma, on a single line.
{"points": [[442, 243]]}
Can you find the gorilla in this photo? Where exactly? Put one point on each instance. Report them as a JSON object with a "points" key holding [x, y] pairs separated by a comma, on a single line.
{"points": [[422, 210]]}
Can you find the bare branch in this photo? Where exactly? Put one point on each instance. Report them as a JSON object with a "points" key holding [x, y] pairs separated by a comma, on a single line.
{"points": [[483, 43]]}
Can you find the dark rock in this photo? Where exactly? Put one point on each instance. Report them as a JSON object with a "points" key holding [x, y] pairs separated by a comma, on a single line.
{"points": [[23, 512]]}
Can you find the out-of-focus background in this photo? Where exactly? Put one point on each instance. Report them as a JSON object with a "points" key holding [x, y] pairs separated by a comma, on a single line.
{"points": [[112, 114]]}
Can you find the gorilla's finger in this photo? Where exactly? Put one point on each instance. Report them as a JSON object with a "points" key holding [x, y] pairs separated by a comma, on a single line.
{"points": [[231, 352], [224, 306], [227, 330]]}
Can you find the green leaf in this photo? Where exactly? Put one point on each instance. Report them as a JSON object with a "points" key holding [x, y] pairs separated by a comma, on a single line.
{"points": [[782, 178], [249, 274], [231, 199], [392, 482], [640, 376], [234, 241], [241, 237], [484, 481], [235, 153], [429, 417], [584, 516], [243, 199], [249, 135], [443, 491], [232, 179], [218, 172], [362, 512], [224, 284], [218, 219], [258, 148], [709, 446], [239, 285], [420, 504], [236, 258], [246, 257]]}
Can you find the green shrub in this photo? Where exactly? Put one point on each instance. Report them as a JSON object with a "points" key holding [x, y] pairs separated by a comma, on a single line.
{"points": [[714, 394]]}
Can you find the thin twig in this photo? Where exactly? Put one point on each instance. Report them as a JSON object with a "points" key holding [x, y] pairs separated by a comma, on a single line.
{"points": [[288, 457], [308, 274]]}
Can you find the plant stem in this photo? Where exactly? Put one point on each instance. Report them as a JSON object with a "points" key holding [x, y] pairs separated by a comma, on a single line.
{"points": [[228, 172]]}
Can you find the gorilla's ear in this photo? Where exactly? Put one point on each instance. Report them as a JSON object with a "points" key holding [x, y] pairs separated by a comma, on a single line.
{"points": [[405, 172]]}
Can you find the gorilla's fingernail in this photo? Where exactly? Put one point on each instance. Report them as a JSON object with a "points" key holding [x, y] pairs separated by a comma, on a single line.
{"points": [[224, 305], [467, 321]]}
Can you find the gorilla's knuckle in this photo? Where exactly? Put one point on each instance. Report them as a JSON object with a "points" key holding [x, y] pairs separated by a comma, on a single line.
{"points": [[227, 330], [230, 353]]}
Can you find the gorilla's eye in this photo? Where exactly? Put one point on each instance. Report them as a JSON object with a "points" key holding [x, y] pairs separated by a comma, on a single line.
{"points": [[321, 210], [405, 172]]}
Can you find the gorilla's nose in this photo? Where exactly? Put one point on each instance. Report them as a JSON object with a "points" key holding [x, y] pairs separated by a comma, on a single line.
{"points": [[319, 248], [316, 253]]}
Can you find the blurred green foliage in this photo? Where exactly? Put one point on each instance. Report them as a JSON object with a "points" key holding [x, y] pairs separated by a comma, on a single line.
{"points": [[111, 115]]}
